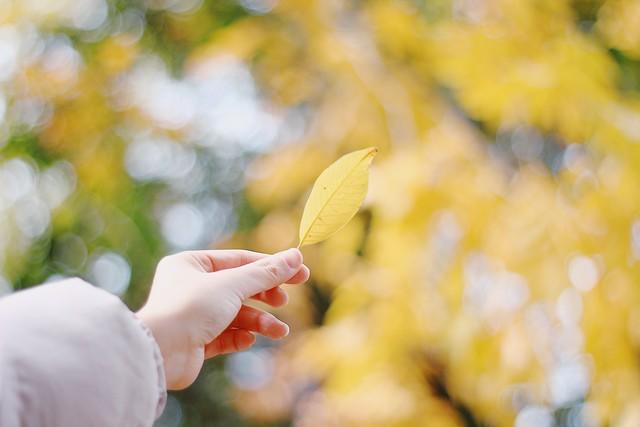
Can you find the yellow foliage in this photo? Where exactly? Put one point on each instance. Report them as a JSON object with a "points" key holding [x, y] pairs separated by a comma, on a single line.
{"points": [[505, 274], [494, 266], [619, 22]]}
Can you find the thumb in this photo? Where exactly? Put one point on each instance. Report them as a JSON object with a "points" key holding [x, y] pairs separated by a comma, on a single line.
{"points": [[264, 274]]}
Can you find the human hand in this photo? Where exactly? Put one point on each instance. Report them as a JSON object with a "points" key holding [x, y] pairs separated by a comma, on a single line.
{"points": [[196, 310]]}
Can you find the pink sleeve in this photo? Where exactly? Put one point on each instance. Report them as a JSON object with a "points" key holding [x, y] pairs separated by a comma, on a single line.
{"points": [[74, 355]]}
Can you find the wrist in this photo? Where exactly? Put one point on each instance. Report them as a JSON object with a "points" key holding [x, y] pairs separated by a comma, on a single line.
{"points": [[151, 322], [162, 328], [154, 324]]}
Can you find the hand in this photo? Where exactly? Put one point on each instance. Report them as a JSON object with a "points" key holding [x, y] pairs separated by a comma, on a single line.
{"points": [[195, 308]]}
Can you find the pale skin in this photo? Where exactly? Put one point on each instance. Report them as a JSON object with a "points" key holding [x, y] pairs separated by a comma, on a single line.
{"points": [[196, 308]]}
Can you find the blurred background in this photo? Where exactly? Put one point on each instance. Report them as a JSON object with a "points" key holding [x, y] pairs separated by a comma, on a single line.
{"points": [[492, 277]]}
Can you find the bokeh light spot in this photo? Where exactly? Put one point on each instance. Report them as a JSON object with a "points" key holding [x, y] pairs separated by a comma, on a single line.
{"points": [[534, 416], [583, 273], [183, 225], [251, 369], [111, 272]]}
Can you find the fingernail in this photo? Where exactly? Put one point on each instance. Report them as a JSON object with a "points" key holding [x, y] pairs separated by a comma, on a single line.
{"points": [[273, 327], [293, 257]]}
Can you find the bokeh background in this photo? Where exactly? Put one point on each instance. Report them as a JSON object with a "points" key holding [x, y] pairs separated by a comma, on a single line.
{"points": [[492, 277]]}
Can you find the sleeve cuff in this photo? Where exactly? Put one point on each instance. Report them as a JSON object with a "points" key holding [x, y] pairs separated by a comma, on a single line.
{"points": [[157, 356]]}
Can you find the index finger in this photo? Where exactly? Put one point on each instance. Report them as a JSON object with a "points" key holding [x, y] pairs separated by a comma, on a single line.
{"points": [[221, 259]]}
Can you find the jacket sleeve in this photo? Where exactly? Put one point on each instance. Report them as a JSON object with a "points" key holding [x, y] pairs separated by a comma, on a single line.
{"points": [[73, 355]]}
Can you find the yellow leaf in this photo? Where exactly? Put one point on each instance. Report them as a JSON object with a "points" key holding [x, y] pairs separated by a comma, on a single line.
{"points": [[336, 196]]}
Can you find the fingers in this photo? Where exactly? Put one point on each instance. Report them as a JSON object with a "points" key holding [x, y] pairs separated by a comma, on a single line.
{"points": [[215, 260], [264, 274], [239, 336], [275, 297], [301, 276], [255, 320], [229, 341]]}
